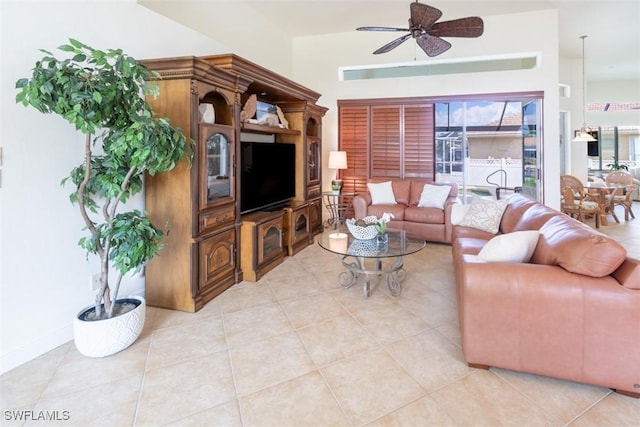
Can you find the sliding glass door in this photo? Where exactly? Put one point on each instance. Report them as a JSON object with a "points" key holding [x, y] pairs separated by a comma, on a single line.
{"points": [[490, 147]]}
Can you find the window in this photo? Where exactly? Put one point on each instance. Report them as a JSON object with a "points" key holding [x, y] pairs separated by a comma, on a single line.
{"points": [[385, 140]]}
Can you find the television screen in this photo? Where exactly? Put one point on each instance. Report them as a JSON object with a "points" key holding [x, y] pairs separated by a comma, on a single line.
{"points": [[267, 175]]}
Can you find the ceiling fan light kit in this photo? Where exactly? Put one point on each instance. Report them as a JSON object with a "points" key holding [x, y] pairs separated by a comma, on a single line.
{"points": [[427, 32]]}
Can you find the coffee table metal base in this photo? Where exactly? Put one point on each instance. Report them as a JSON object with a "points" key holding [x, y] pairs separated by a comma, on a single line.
{"points": [[395, 274]]}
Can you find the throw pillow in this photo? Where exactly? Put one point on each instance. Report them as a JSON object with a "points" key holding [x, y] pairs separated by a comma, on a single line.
{"points": [[511, 247], [381, 193], [458, 211], [485, 214], [434, 196]]}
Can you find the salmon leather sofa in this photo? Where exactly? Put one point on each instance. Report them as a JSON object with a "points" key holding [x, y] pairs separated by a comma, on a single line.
{"points": [[420, 207], [542, 293]]}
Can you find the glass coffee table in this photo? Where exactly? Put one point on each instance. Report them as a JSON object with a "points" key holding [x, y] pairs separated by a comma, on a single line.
{"points": [[356, 253]]}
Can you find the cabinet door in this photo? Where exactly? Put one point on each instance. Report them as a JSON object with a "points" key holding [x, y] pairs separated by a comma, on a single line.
{"points": [[217, 260], [270, 240], [215, 169], [300, 225], [313, 160], [315, 215]]}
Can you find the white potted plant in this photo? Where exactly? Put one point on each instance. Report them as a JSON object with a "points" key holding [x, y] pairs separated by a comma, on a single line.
{"points": [[102, 93]]}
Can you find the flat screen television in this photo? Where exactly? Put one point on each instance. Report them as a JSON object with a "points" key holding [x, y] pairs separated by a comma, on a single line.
{"points": [[268, 175]]}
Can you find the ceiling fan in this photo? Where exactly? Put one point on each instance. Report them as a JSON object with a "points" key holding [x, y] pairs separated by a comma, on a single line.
{"points": [[427, 32]]}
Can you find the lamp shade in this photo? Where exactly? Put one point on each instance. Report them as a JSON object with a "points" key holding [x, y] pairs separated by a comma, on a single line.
{"points": [[584, 136], [337, 160]]}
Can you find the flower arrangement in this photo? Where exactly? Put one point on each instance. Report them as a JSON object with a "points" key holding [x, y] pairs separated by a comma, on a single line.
{"points": [[381, 224]]}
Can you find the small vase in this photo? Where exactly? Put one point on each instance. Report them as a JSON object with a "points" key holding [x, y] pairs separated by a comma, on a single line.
{"points": [[382, 240]]}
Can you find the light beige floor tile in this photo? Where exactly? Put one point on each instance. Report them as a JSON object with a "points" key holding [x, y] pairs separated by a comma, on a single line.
{"points": [[336, 339], [433, 308], [21, 387], [370, 385], [353, 298], [77, 371], [390, 322], [264, 363], [251, 295], [186, 341], [431, 359], [612, 411], [110, 404], [483, 399], [184, 389], [303, 401], [254, 324], [312, 309], [289, 268], [452, 332], [227, 414], [423, 412], [164, 318], [562, 399], [292, 287]]}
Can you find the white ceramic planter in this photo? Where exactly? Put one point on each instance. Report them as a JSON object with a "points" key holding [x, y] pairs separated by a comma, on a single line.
{"points": [[109, 336]]}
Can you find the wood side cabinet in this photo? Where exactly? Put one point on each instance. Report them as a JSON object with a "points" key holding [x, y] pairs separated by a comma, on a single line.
{"points": [[297, 228], [262, 240]]}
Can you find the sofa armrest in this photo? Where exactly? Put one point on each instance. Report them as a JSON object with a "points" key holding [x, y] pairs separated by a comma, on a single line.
{"points": [[360, 204], [448, 227]]}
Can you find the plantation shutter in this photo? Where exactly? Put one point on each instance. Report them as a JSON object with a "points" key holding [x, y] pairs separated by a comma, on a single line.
{"points": [[385, 141], [419, 141], [354, 139]]}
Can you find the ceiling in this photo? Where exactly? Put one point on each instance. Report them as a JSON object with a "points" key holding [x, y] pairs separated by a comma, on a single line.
{"points": [[612, 48]]}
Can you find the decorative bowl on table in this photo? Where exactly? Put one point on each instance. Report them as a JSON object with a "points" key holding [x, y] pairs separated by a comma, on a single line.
{"points": [[363, 229]]}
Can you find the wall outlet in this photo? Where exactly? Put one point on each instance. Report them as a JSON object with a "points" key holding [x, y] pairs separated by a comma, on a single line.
{"points": [[94, 282]]}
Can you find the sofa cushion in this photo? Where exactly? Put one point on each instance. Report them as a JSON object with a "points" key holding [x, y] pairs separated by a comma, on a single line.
{"points": [[396, 210], [577, 248], [381, 193], [534, 217], [485, 214], [424, 215], [511, 247], [628, 274], [434, 196], [458, 211], [417, 187], [518, 205], [401, 190]]}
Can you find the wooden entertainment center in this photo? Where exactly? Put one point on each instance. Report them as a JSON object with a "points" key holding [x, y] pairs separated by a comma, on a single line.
{"points": [[209, 245]]}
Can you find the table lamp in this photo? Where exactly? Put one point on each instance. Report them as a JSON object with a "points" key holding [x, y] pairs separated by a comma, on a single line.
{"points": [[337, 160]]}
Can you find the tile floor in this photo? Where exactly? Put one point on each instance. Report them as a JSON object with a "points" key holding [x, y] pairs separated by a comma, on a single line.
{"points": [[295, 349]]}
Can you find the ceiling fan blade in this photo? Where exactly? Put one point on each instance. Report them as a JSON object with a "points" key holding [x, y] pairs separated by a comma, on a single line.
{"points": [[472, 26], [381, 29], [432, 46], [423, 15], [387, 47]]}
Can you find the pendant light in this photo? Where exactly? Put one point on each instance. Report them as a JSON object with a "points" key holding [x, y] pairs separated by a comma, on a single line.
{"points": [[583, 135]]}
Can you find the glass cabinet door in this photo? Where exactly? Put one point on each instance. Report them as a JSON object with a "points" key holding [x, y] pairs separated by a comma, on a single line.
{"points": [[216, 166], [313, 161]]}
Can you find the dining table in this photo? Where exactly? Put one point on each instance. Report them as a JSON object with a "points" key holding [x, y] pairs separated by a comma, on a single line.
{"points": [[604, 195]]}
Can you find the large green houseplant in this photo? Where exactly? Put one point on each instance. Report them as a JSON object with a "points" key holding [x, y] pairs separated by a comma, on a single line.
{"points": [[102, 93]]}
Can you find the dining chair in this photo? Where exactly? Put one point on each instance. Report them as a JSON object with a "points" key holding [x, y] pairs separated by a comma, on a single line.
{"points": [[578, 207], [622, 195]]}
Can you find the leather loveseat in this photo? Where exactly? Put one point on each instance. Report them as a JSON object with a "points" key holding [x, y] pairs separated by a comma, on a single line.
{"points": [[571, 312], [431, 222]]}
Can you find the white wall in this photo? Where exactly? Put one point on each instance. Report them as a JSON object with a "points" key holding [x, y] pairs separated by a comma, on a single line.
{"points": [[44, 275], [317, 59]]}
